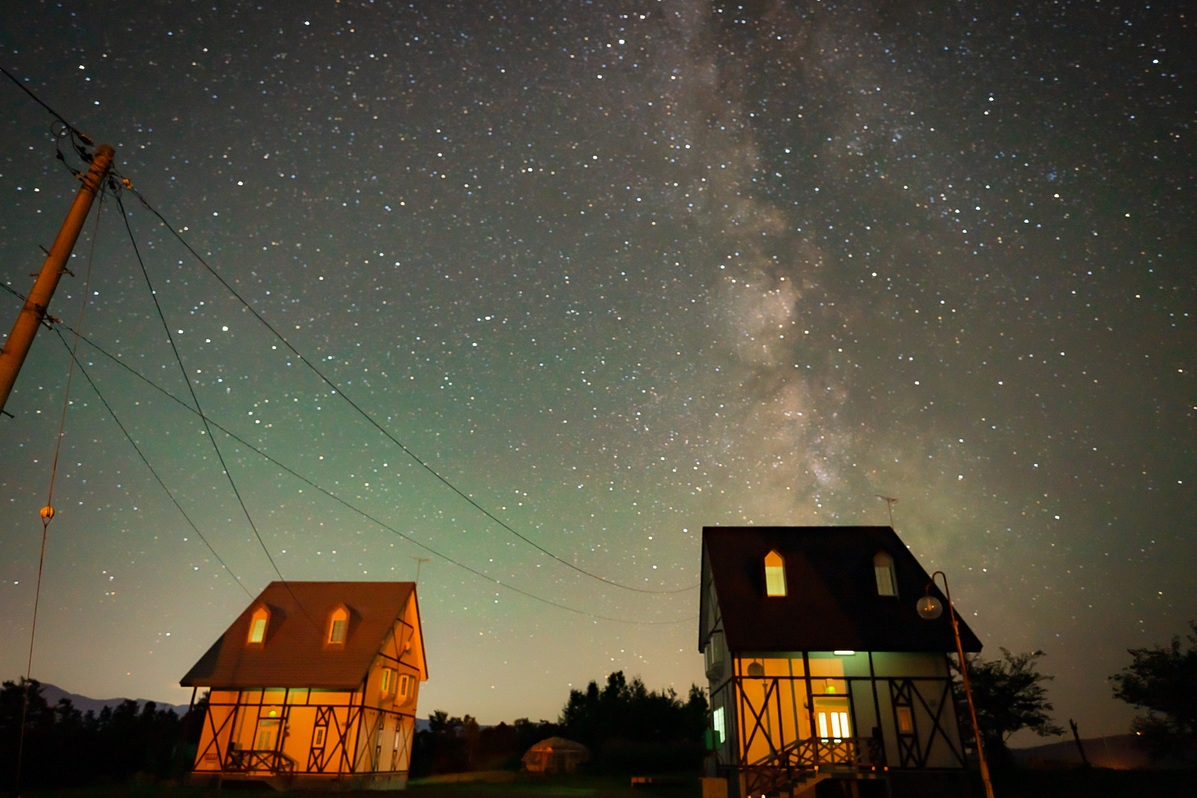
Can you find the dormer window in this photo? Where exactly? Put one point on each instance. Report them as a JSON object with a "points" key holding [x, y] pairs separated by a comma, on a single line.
{"points": [[338, 626], [257, 627], [883, 569], [775, 574]]}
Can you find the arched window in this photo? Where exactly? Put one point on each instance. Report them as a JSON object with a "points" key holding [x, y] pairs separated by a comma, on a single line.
{"points": [[257, 627], [338, 626], [775, 574], [883, 569]]}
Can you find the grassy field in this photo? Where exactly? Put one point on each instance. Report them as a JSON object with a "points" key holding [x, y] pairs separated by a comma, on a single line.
{"points": [[1097, 783]]}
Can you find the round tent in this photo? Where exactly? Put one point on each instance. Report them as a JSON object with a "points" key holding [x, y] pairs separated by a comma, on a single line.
{"points": [[555, 755]]}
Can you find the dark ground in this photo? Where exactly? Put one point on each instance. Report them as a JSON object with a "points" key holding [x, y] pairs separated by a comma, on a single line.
{"points": [[1096, 783]]}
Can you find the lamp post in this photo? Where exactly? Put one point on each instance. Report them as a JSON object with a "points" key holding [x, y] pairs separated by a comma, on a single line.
{"points": [[929, 609]]}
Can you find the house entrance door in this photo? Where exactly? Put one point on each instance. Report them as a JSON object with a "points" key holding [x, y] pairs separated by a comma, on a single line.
{"points": [[831, 717], [267, 734]]}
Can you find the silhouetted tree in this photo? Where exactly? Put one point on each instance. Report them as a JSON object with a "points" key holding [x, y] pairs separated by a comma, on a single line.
{"points": [[445, 746], [66, 748], [23, 701], [1010, 696], [630, 727], [1162, 681]]}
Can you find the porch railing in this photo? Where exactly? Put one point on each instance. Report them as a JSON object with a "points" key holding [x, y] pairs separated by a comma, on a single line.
{"points": [[803, 759], [250, 761]]}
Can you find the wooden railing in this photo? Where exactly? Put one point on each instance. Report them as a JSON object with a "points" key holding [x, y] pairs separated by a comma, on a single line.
{"points": [[803, 759], [248, 761]]}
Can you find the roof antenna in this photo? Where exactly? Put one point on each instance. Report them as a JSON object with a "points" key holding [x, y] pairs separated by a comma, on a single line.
{"points": [[420, 561], [890, 501]]}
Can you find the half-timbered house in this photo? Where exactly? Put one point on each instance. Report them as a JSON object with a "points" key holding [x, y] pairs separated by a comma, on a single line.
{"points": [[819, 664], [314, 685]]}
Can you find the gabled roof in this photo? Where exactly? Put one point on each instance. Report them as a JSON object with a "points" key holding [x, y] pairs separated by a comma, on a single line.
{"points": [[294, 652], [832, 601]]}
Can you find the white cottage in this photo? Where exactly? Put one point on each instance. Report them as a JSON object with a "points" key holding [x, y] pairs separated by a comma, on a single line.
{"points": [[819, 665]]}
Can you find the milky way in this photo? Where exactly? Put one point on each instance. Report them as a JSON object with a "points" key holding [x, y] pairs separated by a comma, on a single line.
{"points": [[613, 272]]}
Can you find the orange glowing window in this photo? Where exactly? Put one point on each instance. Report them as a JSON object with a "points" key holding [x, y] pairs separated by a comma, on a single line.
{"points": [[775, 574], [905, 720], [257, 626], [338, 626]]}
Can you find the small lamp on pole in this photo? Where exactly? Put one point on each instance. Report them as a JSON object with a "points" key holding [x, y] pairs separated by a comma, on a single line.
{"points": [[930, 608]]}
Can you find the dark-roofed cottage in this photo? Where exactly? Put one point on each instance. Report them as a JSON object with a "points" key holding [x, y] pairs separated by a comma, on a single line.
{"points": [[314, 685], [819, 664]]}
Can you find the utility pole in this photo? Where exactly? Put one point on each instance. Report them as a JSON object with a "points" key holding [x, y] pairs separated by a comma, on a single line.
{"points": [[38, 302]]}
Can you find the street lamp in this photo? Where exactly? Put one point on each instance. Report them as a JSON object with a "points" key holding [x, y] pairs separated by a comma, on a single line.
{"points": [[929, 609]]}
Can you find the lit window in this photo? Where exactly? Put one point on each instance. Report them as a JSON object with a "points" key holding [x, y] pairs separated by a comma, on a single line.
{"points": [[775, 575], [404, 685], [831, 717], [905, 720], [883, 569], [388, 681], [718, 724], [257, 626], [338, 625]]}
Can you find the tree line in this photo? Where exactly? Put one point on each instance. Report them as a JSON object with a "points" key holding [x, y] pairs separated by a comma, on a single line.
{"points": [[63, 747], [1011, 694], [627, 727]]}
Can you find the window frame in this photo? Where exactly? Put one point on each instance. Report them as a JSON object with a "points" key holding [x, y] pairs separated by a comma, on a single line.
{"points": [[775, 575], [884, 575], [259, 624], [338, 627]]}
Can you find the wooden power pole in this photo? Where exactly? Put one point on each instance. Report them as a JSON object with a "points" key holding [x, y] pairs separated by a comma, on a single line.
{"points": [[38, 302]]}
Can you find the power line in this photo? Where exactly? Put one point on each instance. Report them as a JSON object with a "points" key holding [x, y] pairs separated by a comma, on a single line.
{"points": [[79, 140], [386, 433], [146, 461], [203, 418], [348, 505]]}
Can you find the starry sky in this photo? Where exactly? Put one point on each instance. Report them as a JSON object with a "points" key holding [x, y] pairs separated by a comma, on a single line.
{"points": [[519, 296]]}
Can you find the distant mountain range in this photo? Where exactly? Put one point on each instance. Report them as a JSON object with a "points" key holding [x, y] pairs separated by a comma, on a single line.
{"points": [[52, 694], [1116, 751]]}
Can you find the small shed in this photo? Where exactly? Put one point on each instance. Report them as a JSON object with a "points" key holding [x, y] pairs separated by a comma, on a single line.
{"points": [[555, 755]]}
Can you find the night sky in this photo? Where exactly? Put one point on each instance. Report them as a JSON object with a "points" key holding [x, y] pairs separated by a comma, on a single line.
{"points": [[587, 277]]}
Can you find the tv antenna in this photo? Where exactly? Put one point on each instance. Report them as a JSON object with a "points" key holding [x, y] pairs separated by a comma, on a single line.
{"points": [[890, 501], [420, 561]]}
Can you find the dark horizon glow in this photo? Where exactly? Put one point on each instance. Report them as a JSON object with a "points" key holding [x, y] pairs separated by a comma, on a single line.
{"points": [[609, 273]]}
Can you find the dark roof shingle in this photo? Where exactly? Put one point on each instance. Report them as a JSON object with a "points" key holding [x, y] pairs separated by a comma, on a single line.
{"points": [[832, 601]]}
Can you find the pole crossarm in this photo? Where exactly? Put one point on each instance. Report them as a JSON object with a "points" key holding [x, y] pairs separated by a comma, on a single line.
{"points": [[33, 312]]}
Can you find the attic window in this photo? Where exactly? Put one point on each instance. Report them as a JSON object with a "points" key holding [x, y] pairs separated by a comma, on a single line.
{"points": [[338, 626], [257, 627], [775, 574], [883, 569]]}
